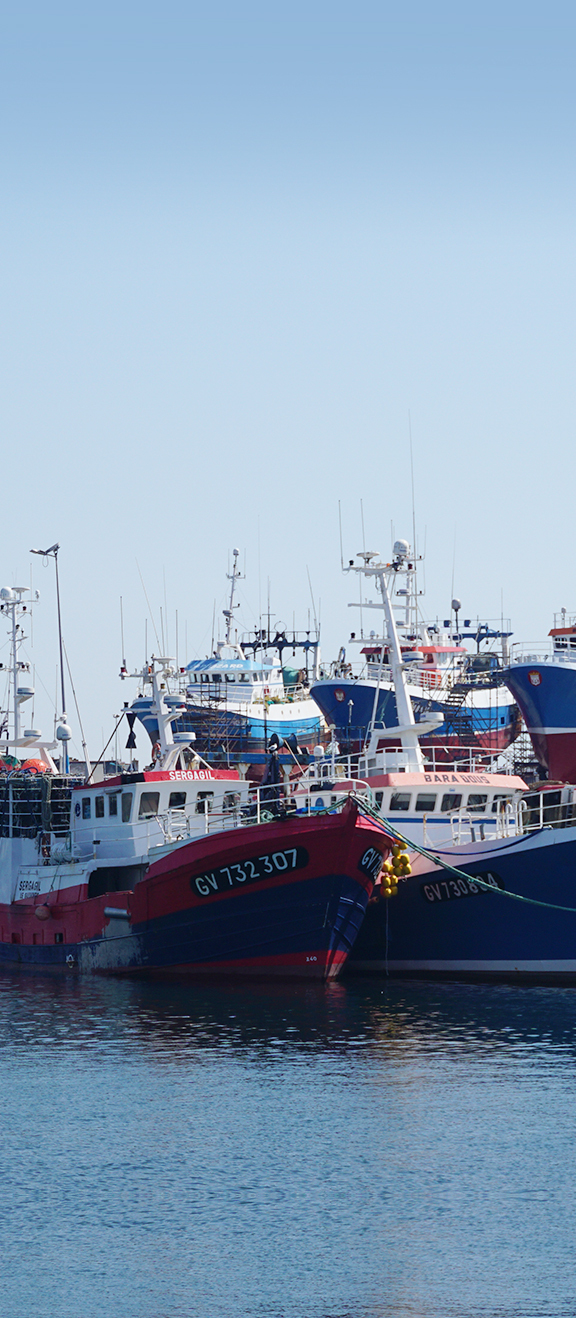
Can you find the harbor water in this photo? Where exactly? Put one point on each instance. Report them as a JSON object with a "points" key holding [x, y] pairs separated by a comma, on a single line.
{"points": [[360, 1149]]}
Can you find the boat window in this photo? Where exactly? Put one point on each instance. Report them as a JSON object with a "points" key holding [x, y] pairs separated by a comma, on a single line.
{"points": [[451, 801], [126, 806], [204, 802], [499, 798], [243, 677], [149, 802], [379, 797], [112, 805], [85, 807], [231, 800], [426, 801], [230, 677], [216, 677], [400, 801], [99, 807], [177, 801], [477, 801]]}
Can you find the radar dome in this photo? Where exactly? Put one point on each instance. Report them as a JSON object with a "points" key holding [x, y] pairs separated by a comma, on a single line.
{"points": [[6, 594], [401, 549], [456, 605]]}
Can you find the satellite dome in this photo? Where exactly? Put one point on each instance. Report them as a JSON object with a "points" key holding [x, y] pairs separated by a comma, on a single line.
{"points": [[456, 605], [6, 594], [401, 549]]}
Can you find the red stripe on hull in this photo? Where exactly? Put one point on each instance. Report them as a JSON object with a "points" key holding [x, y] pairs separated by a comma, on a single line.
{"points": [[298, 965], [556, 752]]}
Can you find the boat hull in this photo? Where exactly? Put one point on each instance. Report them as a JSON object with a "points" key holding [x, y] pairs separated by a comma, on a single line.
{"points": [[443, 926], [546, 695], [285, 898], [486, 717]]}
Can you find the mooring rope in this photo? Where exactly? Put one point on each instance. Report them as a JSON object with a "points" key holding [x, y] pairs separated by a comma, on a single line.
{"points": [[390, 828]]}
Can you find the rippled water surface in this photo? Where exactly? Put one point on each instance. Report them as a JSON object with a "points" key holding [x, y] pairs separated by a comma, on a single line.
{"points": [[360, 1150]]}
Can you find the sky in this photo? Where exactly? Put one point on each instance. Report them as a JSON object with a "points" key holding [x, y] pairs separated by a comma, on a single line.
{"points": [[244, 250]]}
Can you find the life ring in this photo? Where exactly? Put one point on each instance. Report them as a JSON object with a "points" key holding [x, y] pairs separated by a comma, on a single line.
{"points": [[156, 751]]}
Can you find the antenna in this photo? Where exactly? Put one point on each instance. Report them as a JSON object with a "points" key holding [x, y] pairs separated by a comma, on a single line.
{"points": [[412, 478], [340, 525], [165, 615], [312, 598], [453, 564], [121, 636], [148, 603]]}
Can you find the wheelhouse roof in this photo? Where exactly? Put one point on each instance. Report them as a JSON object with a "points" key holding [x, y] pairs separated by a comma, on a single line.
{"points": [[232, 665]]}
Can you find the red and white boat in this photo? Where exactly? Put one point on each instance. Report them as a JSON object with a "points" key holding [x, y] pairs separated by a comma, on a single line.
{"points": [[181, 870]]}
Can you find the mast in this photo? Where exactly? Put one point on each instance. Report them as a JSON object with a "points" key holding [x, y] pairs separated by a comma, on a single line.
{"points": [[62, 731], [233, 577], [406, 730]]}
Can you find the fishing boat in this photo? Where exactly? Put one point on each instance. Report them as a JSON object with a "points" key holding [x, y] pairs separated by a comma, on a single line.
{"points": [[489, 885], [243, 694], [184, 869], [444, 678], [542, 681]]}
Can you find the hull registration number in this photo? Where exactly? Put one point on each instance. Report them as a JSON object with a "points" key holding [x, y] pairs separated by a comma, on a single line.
{"points": [[250, 871], [450, 890]]}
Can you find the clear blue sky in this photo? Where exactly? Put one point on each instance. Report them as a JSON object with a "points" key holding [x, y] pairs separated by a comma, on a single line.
{"points": [[240, 243]]}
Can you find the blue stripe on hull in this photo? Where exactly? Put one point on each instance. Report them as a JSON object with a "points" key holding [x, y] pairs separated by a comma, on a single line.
{"points": [[324, 912], [321, 914], [484, 929], [245, 728], [552, 702], [482, 719]]}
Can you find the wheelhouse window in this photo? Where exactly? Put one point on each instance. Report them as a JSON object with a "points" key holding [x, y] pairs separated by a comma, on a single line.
{"points": [[112, 805], [230, 677], [99, 807], [379, 797], [86, 812], [204, 803], [126, 806], [149, 802], [451, 801], [400, 800], [231, 800], [177, 801], [499, 802], [477, 801], [426, 801]]}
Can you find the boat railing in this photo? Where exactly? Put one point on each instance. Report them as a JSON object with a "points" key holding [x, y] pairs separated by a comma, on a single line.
{"points": [[467, 826], [540, 653], [438, 758], [538, 811], [263, 806]]}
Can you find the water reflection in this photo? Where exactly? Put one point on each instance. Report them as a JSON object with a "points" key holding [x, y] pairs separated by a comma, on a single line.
{"points": [[402, 1018], [372, 1149]]}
